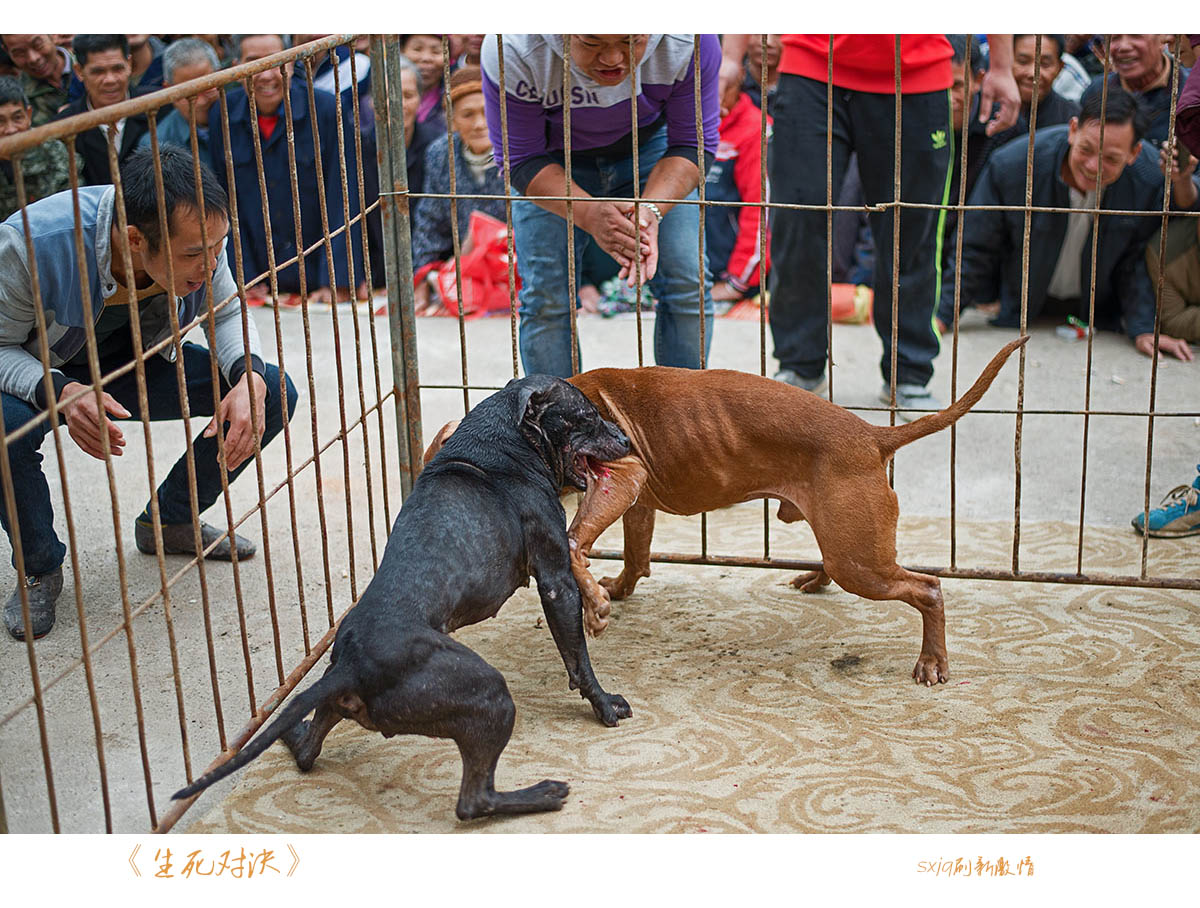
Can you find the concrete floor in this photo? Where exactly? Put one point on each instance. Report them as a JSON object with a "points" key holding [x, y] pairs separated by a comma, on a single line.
{"points": [[326, 575]]}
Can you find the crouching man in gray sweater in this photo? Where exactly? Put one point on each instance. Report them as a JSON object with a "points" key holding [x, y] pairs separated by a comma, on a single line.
{"points": [[109, 286]]}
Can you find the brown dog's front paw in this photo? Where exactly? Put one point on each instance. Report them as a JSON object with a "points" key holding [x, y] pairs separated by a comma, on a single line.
{"points": [[930, 671], [812, 582], [620, 586]]}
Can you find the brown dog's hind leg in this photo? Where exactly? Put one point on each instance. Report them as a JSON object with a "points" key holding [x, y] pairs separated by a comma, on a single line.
{"points": [[811, 582], [608, 497], [638, 525]]}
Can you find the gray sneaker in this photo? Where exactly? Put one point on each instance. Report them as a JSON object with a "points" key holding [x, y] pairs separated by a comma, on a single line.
{"points": [[815, 385], [43, 591], [910, 398]]}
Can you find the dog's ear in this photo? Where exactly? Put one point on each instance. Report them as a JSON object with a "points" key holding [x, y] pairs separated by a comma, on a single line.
{"points": [[537, 392]]}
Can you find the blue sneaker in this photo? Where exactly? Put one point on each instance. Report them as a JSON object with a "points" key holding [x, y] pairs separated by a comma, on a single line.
{"points": [[1177, 515]]}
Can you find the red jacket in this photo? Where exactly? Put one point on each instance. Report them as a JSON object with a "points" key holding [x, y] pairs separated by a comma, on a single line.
{"points": [[737, 174], [868, 62]]}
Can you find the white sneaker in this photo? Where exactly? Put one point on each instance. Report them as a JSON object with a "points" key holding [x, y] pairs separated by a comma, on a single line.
{"points": [[910, 398]]}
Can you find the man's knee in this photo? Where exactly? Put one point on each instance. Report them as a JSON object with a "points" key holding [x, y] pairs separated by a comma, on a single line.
{"points": [[17, 413]]}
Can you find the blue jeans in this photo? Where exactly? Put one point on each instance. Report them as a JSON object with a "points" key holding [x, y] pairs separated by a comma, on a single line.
{"points": [[540, 238], [42, 549]]}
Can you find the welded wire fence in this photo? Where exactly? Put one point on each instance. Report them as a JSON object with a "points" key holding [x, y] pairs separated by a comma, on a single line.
{"points": [[94, 735]]}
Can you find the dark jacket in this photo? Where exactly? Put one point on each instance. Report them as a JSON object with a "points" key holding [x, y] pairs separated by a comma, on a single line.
{"points": [[432, 240], [992, 240], [92, 146], [1053, 110], [277, 173], [1156, 101]]}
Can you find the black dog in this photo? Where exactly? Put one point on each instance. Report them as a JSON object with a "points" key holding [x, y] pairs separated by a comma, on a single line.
{"points": [[481, 519]]}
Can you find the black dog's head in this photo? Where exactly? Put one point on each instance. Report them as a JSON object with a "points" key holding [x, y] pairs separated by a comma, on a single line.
{"points": [[565, 428]]}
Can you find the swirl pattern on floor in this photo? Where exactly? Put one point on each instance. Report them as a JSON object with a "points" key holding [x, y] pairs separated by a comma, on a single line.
{"points": [[759, 708]]}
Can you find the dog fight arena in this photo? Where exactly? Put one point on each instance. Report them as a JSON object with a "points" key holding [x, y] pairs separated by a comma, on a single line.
{"points": [[1057, 650]]}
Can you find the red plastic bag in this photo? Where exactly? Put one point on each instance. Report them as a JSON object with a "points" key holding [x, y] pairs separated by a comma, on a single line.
{"points": [[484, 265]]}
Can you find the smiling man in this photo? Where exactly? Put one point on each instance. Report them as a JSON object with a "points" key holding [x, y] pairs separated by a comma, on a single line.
{"points": [[1066, 161], [45, 72], [666, 244], [1141, 65], [104, 67], [196, 252]]}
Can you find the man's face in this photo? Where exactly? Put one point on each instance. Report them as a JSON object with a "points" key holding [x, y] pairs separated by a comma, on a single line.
{"points": [[1085, 156], [192, 262], [105, 76], [268, 86], [605, 58], [410, 98], [426, 53], [14, 118], [35, 55], [470, 122], [754, 56], [956, 92], [204, 101], [1024, 57], [1137, 58], [136, 42], [472, 45]]}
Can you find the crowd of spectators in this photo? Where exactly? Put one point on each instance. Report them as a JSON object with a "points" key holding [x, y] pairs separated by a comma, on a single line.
{"points": [[1041, 123]]}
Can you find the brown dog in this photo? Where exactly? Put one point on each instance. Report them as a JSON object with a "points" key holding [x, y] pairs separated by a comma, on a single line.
{"points": [[706, 439]]}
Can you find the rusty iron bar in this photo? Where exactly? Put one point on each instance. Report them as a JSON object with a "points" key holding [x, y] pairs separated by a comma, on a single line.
{"points": [[572, 290], [189, 453], [369, 277], [273, 283], [1162, 261], [764, 294], [337, 336], [508, 222], [881, 207], [701, 270], [895, 259], [93, 358], [829, 209], [637, 204], [960, 230], [306, 321], [788, 564], [71, 126], [351, 277], [215, 378], [398, 252], [455, 239], [1091, 331], [53, 411], [135, 332]]}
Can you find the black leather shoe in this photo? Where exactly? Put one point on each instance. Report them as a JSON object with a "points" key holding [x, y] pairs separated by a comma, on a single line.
{"points": [[179, 539], [43, 591]]}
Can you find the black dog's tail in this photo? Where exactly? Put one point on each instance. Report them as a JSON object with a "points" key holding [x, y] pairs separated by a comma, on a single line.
{"points": [[335, 681]]}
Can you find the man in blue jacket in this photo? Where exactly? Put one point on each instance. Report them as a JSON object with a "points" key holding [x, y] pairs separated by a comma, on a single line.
{"points": [[187, 59], [1065, 163], [195, 255], [269, 88]]}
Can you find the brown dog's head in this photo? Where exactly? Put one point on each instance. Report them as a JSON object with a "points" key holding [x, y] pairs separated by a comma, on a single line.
{"points": [[565, 428]]}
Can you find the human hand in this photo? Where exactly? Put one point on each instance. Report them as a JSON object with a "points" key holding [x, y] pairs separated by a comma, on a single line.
{"points": [[85, 422], [611, 225], [1176, 346], [234, 411], [729, 84], [649, 234], [1179, 169], [725, 292], [999, 87]]}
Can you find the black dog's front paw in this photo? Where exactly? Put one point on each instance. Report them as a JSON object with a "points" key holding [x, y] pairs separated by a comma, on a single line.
{"points": [[610, 708]]}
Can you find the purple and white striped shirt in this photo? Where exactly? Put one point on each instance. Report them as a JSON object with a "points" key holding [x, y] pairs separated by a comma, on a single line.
{"points": [[600, 114]]}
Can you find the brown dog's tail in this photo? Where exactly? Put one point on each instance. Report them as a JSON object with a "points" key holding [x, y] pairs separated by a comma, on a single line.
{"points": [[331, 684], [891, 438]]}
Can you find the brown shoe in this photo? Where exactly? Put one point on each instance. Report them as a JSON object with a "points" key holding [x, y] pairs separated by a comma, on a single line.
{"points": [[179, 539]]}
